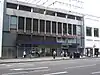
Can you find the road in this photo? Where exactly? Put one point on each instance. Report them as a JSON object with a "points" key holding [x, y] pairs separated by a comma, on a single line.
{"points": [[62, 67]]}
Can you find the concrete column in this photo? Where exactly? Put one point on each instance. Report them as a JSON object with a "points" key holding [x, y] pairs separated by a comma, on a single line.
{"points": [[51, 27], [75, 18], [45, 27], [17, 23], [56, 28], [18, 7], [44, 12], [32, 25], [55, 14], [25, 24], [38, 25], [31, 9]]}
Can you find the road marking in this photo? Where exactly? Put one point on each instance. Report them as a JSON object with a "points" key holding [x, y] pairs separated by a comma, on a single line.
{"points": [[24, 72], [15, 73], [80, 66], [57, 73], [96, 72], [19, 69]]}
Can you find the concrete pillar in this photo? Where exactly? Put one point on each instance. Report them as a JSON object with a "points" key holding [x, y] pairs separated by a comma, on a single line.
{"points": [[17, 23], [45, 27], [51, 27], [32, 25], [18, 7], [25, 24], [55, 14], [31, 9]]}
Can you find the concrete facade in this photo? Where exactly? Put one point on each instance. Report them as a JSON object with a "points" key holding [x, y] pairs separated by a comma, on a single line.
{"points": [[10, 41]]}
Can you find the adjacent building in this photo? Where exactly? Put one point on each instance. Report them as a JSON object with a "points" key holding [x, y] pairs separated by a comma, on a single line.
{"points": [[27, 27], [92, 35]]}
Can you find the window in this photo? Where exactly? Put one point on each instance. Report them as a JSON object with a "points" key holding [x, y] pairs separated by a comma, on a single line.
{"points": [[74, 29], [78, 29], [53, 27], [25, 8], [96, 32], [38, 10], [48, 12], [64, 28], [21, 23], [71, 16], [48, 26], [10, 5], [28, 23], [61, 15], [59, 28], [69, 29], [42, 25], [35, 24], [88, 31], [13, 22], [78, 18]]}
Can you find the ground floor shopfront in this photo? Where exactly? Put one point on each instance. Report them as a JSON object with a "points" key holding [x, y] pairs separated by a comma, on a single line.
{"points": [[14, 45]]}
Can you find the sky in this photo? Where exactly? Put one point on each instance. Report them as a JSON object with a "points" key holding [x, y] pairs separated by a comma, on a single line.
{"points": [[89, 6]]}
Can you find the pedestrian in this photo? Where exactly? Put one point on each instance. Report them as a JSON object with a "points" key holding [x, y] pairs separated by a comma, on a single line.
{"points": [[24, 54], [54, 54], [62, 54]]}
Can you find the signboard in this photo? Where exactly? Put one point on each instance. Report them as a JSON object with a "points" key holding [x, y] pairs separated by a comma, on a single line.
{"points": [[1, 24]]}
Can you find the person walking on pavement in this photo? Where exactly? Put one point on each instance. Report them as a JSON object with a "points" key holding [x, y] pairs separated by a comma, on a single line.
{"points": [[54, 54], [24, 54]]}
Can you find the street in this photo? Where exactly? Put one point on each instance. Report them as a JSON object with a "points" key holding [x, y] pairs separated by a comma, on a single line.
{"points": [[62, 67]]}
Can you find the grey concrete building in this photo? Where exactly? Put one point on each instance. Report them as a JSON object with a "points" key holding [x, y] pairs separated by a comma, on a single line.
{"points": [[34, 28]]}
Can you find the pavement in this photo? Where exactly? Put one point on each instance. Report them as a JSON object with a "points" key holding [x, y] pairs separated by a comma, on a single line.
{"points": [[62, 67], [41, 59], [23, 60]]}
